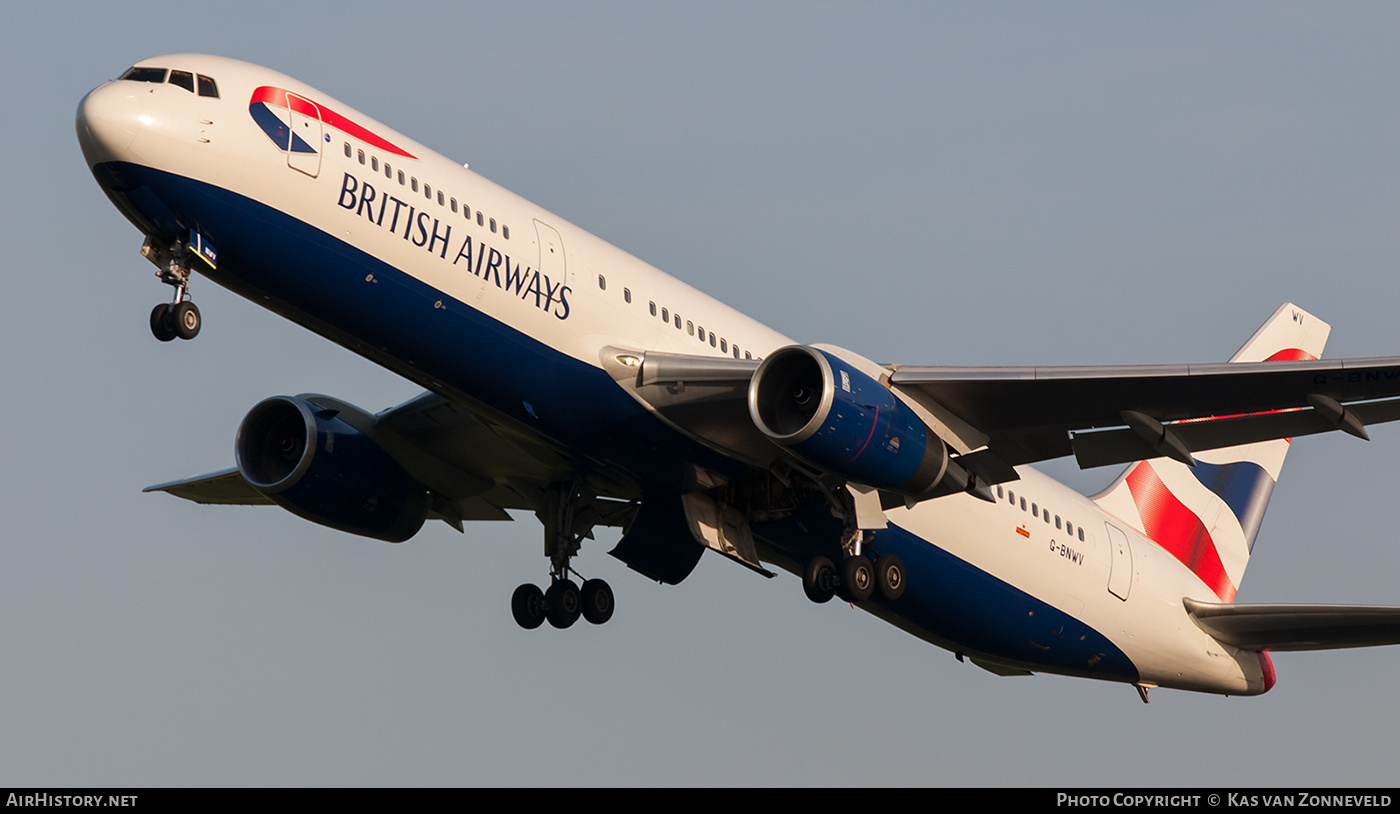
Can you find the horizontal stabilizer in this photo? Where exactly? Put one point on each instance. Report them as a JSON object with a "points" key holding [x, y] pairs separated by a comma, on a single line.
{"points": [[1297, 627]]}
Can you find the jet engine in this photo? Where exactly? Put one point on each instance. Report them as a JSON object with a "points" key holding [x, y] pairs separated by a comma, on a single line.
{"points": [[313, 464], [833, 415]]}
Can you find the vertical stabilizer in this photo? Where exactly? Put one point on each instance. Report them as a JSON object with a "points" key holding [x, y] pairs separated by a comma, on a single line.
{"points": [[1207, 516]]}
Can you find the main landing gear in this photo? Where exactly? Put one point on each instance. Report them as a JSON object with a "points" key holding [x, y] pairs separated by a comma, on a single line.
{"points": [[180, 318], [856, 579], [565, 527], [562, 604]]}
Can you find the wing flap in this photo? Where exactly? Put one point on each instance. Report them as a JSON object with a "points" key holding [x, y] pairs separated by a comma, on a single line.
{"points": [[1297, 627], [1105, 447]]}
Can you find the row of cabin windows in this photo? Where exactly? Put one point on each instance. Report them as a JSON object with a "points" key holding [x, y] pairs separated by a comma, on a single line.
{"points": [[691, 328], [412, 182], [1044, 514], [182, 79]]}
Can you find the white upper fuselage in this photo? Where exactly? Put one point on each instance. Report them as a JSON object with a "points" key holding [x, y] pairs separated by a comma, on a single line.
{"points": [[596, 296]]}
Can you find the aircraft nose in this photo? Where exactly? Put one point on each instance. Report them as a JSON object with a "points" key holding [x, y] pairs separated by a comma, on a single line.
{"points": [[108, 119]]}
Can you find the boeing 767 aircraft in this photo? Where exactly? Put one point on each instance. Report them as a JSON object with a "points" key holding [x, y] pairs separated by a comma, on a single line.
{"points": [[567, 378]]}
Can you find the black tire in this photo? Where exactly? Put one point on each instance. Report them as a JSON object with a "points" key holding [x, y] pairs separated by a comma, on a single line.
{"points": [[527, 605], [162, 326], [889, 576], [819, 580], [562, 603], [185, 319], [857, 579], [597, 598]]}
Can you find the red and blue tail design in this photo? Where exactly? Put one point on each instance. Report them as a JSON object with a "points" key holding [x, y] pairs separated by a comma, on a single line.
{"points": [[1207, 516]]}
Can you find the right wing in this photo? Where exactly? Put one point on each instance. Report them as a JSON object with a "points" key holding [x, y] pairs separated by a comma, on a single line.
{"points": [[1037, 413]]}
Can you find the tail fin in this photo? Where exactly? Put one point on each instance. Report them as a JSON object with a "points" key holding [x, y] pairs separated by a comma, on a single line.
{"points": [[1208, 515]]}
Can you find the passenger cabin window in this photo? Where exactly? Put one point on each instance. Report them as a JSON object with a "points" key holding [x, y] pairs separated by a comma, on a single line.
{"points": [[145, 74], [602, 283], [493, 226], [626, 292], [505, 233], [374, 163], [184, 79], [480, 218], [347, 149], [362, 156], [207, 87], [652, 306], [439, 197]]}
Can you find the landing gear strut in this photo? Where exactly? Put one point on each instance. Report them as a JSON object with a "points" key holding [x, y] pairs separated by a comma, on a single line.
{"points": [[179, 318], [566, 525]]}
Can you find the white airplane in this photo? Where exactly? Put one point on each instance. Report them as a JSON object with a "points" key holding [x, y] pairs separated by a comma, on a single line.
{"points": [[568, 378]]}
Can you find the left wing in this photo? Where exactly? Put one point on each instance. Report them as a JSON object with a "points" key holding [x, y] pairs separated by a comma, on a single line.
{"points": [[472, 468]]}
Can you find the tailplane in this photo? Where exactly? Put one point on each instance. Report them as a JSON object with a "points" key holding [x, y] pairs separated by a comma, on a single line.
{"points": [[1207, 516]]}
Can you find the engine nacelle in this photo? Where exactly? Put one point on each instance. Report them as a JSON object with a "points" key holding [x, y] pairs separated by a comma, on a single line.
{"points": [[833, 415], [316, 466]]}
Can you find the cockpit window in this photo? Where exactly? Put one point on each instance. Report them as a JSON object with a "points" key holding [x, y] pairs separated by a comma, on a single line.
{"points": [[207, 86], [184, 79], [145, 74]]}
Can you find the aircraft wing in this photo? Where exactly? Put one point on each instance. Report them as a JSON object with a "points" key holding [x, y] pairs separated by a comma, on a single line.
{"points": [[473, 468], [1001, 417], [223, 488], [1297, 627], [1028, 414]]}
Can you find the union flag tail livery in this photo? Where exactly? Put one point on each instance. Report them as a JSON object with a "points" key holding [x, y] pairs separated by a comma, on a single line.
{"points": [[568, 379], [1208, 515]]}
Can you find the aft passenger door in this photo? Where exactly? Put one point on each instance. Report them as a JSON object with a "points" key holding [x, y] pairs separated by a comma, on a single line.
{"points": [[1120, 574]]}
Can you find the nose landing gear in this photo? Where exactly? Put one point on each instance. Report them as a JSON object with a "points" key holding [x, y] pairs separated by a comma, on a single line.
{"points": [[179, 318], [175, 320]]}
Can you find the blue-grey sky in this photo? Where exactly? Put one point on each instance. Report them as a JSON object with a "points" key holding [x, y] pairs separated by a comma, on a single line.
{"points": [[923, 183]]}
